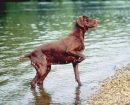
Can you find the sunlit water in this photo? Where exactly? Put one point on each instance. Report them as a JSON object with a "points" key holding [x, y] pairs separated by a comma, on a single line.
{"points": [[24, 26]]}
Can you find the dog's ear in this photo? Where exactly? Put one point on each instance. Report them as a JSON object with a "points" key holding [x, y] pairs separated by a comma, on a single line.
{"points": [[80, 21]]}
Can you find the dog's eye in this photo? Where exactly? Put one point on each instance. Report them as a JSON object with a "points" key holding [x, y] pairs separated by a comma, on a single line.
{"points": [[87, 20]]}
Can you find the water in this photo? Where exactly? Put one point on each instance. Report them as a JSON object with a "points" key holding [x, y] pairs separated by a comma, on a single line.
{"points": [[26, 25]]}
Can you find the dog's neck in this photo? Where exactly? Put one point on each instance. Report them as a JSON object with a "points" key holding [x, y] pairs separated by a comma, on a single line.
{"points": [[78, 31]]}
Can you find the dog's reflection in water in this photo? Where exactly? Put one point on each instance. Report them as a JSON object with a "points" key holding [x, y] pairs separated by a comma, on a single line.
{"points": [[77, 96], [41, 97]]}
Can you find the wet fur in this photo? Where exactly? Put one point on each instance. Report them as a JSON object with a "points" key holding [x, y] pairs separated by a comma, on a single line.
{"points": [[66, 50]]}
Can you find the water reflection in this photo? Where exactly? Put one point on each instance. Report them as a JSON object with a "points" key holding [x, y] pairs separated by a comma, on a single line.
{"points": [[41, 97], [2, 8], [77, 96]]}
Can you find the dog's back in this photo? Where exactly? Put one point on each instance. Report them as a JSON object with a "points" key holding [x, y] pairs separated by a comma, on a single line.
{"points": [[66, 50]]}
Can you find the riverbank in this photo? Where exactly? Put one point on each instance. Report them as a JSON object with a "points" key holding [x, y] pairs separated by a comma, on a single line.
{"points": [[114, 90]]}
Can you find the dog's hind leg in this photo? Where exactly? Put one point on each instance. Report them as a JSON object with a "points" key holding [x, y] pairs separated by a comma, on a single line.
{"points": [[40, 71], [47, 71], [43, 75], [34, 81]]}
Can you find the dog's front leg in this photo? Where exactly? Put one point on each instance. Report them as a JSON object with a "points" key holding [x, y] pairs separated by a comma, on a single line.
{"points": [[77, 78], [78, 56]]}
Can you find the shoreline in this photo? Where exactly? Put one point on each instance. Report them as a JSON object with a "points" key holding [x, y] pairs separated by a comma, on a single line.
{"points": [[115, 90]]}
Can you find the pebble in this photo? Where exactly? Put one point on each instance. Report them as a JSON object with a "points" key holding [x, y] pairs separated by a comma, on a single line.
{"points": [[115, 90]]}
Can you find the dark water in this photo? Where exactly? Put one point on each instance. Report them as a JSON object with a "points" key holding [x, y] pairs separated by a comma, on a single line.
{"points": [[24, 26]]}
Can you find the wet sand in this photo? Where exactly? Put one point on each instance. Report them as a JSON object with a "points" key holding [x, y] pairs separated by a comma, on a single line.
{"points": [[114, 90]]}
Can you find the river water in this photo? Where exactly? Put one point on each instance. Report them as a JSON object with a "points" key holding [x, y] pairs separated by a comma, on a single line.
{"points": [[26, 25]]}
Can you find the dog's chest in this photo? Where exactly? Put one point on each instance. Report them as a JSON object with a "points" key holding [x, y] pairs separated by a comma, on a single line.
{"points": [[80, 48]]}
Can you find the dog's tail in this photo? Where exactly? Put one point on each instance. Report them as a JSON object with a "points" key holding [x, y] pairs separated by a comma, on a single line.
{"points": [[24, 57]]}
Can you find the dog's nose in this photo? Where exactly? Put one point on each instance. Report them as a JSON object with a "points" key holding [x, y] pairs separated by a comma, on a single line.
{"points": [[97, 20]]}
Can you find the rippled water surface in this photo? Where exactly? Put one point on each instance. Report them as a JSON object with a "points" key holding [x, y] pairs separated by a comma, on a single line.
{"points": [[26, 25]]}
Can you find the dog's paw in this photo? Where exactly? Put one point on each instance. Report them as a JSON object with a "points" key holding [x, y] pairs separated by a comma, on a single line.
{"points": [[80, 59]]}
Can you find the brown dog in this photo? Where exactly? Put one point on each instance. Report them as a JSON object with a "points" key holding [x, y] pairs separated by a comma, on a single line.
{"points": [[64, 51]]}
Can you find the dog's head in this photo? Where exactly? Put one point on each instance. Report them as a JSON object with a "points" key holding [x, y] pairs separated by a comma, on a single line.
{"points": [[86, 22]]}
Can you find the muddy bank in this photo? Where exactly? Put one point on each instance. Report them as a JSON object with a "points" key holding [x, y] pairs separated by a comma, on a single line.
{"points": [[114, 90]]}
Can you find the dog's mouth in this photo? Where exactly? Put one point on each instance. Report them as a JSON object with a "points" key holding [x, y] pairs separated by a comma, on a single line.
{"points": [[96, 22], [93, 23]]}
